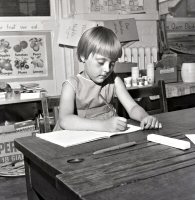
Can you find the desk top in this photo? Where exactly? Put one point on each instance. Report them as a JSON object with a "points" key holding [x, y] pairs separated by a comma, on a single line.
{"points": [[179, 89], [175, 89], [146, 171], [18, 99]]}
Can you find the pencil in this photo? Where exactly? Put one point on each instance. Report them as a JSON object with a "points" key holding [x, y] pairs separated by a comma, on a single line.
{"points": [[110, 107], [120, 146]]}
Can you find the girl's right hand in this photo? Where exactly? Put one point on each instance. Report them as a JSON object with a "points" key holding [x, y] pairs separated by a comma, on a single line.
{"points": [[115, 124]]}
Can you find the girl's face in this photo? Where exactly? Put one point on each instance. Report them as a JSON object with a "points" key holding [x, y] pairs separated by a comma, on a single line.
{"points": [[98, 67]]}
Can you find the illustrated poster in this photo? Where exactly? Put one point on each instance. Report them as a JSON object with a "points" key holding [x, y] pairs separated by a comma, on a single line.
{"points": [[23, 56]]}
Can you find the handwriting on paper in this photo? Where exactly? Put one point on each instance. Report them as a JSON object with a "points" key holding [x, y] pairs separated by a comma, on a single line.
{"points": [[71, 30], [125, 29]]}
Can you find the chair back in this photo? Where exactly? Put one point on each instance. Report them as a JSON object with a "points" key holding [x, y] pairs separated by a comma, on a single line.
{"points": [[146, 96], [50, 111]]}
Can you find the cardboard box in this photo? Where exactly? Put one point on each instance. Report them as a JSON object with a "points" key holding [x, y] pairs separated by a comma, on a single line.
{"points": [[166, 68], [169, 75], [8, 152]]}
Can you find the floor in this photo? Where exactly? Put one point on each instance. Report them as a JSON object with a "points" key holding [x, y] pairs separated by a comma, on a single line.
{"points": [[13, 188]]}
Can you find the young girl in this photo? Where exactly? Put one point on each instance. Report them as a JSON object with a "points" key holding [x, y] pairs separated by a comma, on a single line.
{"points": [[91, 92]]}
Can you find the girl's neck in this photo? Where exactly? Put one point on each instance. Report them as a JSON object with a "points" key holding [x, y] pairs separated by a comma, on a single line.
{"points": [[84, 74]]}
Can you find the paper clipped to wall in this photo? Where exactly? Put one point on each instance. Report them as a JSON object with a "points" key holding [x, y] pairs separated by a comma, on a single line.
{"points": [[71, 30], [125, 29]]}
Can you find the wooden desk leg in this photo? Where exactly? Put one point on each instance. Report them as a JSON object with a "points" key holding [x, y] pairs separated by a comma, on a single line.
{"points": [[30, 192]]}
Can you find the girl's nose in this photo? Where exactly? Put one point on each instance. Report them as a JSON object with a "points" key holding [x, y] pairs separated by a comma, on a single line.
{"points": [[106, 67]]}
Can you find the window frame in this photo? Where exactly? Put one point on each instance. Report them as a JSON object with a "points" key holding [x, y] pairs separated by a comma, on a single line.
{"points": [[33, 18]]}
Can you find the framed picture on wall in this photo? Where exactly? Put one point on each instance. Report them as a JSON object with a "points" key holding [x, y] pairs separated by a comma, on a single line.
{"points": [[190, 7], [27, 8], [25, 56]]}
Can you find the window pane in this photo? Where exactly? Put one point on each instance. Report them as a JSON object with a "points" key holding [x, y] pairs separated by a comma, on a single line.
{"points": [[24, 8], [32, 9]]}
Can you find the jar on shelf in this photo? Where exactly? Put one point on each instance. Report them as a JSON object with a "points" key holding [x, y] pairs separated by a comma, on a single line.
{"points": [[150, 73], [188, 72]]}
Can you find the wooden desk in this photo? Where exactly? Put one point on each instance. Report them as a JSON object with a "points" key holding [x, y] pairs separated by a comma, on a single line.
{"points": [[146, 171], [37, 103], [16, 100], [15, 109], [175, 89], [179, 89], [179, 96]]}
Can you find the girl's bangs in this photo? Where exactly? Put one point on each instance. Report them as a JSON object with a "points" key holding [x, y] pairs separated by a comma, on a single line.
{"points": [[112, 51]]}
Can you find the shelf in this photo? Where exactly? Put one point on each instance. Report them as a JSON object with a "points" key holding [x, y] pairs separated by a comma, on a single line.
{"points": [[103, 16]]}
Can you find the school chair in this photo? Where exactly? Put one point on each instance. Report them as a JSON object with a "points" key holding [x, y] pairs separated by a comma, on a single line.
{"points": [[152, 99], [50, 111]]}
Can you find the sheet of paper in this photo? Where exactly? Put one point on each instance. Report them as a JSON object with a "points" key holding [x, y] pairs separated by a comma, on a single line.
{"points": [[191, 137], [125, 29], [68, 138], [34, 95], [14, 85], [130, 128], [71, 30]]}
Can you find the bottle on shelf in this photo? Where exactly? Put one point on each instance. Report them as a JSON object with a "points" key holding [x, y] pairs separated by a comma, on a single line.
{"points": [[150, 73]]}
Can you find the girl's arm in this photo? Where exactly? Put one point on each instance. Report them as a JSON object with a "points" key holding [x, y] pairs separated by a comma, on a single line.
{"points": [[68, 120], [135, 111]]}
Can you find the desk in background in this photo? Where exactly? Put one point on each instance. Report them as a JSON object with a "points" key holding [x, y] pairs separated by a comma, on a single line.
{"points": [[179, 89], [180, 95], [15, 109], [16, 100], [146, 171], [176, 89]]}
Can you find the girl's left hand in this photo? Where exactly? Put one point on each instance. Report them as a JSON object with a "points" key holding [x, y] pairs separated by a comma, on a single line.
{"points": [[150, 122]]}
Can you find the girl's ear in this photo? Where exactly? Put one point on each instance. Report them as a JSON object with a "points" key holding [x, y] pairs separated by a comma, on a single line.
{"points": [[83, 59]]}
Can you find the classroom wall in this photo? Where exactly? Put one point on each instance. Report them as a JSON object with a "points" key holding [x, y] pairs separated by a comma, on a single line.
{"points": [[18, 25], [64, 63], [146, 24]]}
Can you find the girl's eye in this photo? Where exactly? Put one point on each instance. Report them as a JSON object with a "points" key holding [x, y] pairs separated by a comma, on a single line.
{"points": [[101, 63]]}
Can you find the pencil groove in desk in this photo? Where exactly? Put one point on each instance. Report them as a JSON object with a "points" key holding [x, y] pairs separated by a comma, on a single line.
{"points": [[91, 179]]}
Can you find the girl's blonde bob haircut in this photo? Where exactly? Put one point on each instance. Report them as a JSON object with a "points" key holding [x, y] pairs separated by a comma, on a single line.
{"points": [[99, 40]]}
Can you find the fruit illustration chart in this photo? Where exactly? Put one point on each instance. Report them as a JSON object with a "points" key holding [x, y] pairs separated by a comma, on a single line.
{"points": [[23, 56]]}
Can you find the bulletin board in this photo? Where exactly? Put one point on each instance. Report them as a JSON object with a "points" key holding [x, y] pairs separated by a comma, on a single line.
{"points": [[111, 6], [25, 56]]}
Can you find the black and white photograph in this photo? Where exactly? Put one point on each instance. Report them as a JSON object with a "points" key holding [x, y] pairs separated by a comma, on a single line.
{"points": [[97, 99]]}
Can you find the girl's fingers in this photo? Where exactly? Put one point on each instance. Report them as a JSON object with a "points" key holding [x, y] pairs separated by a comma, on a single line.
{"points": [[122, 119], [154, 123], [160, 125], [122, 124], [147, 126], [121, 127], [157, 125], [150, 123]]}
